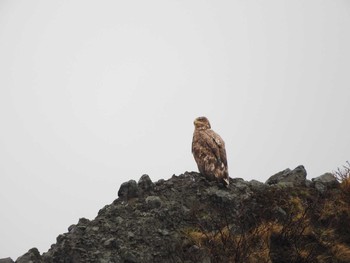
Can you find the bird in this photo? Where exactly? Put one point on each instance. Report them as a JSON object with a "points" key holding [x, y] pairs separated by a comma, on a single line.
{"points": [[209, 152]]}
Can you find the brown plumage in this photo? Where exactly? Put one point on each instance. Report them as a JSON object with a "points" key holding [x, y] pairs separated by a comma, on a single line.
{"points": [[209, 152]]}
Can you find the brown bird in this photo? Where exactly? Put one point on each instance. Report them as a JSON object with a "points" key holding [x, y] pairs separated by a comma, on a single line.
{"points": [[208, 149]]}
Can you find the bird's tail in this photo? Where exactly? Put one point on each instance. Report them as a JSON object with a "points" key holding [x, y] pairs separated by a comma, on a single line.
{"points": [[226, 182]]}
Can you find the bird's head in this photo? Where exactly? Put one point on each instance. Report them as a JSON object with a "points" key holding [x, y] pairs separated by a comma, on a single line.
{"points": [[201, 123]]}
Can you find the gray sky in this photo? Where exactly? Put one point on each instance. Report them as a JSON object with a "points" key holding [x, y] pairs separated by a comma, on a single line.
{"points": [[94, 93]]}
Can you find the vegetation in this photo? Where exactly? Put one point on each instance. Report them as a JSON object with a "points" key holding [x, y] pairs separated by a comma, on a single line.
{"points": [[343, 176], [296, 224]]}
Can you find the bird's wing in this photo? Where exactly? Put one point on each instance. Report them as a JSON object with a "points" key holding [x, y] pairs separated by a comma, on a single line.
{"points": [[217, 144]]}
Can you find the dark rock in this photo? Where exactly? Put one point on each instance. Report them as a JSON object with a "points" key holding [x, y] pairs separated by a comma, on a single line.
{"points": [[6, 260], [71, 228], [218, 195], [282, 185], [32, 256], [60, 238], [153, 201], [128, 190], [325, 182], [83, 221], [111, 243], [145, 184], [257, 186], [130, 256], [321, 188], [188, 219], [279, 213], [160, 181], [119, 220], [276, 178], [296, 177], [327, 179], [308, 183]]}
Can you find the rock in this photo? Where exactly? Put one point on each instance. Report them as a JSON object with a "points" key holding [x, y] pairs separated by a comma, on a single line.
{"points": [[129, 256], [95, 228], [119, 220], [324, 182], [221, 196], [83, 221], [145, 184], [160, 182], [128, 190], [321, 188], [257, 186], [153, 201], [71, 228], [276, 178], [308, 183], [163, 232], [241, 185], [60, 238], [327, 179], [6, 260], [32, 256], [279, 213], [297, 177], [187, 218], [111, 242], [284, 185]]}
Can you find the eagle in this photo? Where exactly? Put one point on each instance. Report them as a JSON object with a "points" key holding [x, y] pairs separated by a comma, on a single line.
{"points": [[208, 150]]}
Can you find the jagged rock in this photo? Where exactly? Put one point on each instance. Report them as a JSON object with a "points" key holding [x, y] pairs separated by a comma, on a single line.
{"points": [[327, 179], [83, 222], [282, 185], [257, 186], [110, 242], [145, 184], [296, 177], [32, 256], [6, 260], [71, 228], [324, 182], [119, 220], [308, 183], [128, 190], [153, 201], [219, 195], [279, 213], [188, 219], [321, 188], [130, 256]]}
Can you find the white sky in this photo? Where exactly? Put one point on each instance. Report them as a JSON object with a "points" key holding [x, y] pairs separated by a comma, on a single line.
{"points": [[94, 93]]}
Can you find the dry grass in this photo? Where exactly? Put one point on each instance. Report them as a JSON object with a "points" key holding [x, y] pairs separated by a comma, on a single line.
{"points": [[343, 176], [197, 237], [314, 228], [341, 252], [250, 247]]}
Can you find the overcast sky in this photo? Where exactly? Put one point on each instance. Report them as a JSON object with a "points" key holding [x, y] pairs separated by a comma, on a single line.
{"points": [[95, 93]]}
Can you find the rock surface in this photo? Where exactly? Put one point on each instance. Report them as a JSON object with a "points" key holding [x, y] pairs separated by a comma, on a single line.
{"points": [[32, 256], [189, 219], [296, 177], [324, 182]]}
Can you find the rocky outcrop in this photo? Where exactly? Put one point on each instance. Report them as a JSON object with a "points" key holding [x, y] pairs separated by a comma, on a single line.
{"points": [[287, 177], [189, 219], [32, 256], [325, 182]]}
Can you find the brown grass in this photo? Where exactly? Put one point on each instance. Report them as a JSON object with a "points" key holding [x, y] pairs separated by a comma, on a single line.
{"points": [[341, 252], [343, 176]]}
